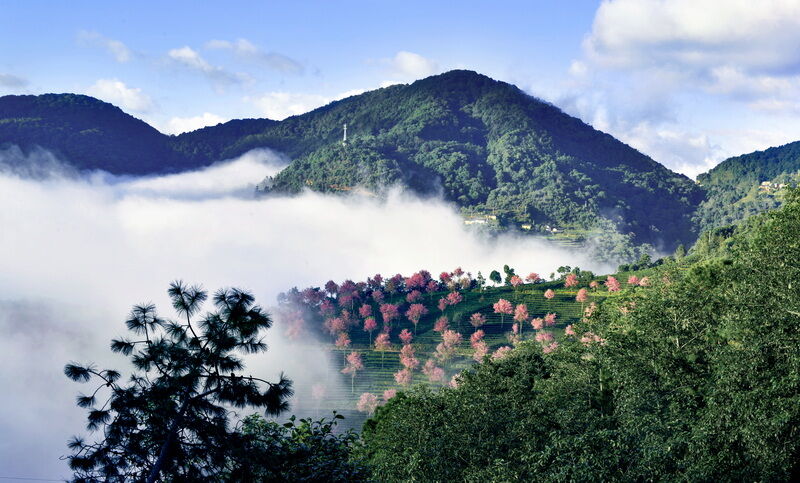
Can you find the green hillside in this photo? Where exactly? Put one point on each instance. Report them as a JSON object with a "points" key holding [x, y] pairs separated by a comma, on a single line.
{"points": [[748, 184]]}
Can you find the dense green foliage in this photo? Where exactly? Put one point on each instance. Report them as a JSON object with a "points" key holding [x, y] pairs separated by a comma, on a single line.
{"points": [[694, 378], [304, 450], [734, 186]]}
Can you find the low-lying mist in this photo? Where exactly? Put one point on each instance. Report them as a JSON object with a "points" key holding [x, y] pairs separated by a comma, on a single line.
{"points": [[77, 250]]}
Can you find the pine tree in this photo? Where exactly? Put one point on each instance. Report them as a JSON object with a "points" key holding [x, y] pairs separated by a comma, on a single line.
{"points": [[170, 420]]}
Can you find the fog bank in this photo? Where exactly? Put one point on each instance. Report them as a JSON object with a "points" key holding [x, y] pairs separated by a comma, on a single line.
{"points": [[76, 251]]}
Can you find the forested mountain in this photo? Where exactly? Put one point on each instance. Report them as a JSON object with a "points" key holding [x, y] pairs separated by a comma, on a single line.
{"points": [[483, 144], [89, 133], [744, 185]]}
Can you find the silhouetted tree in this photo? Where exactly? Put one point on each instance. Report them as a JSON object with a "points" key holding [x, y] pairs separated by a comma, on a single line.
{"points": [[170, 419]]}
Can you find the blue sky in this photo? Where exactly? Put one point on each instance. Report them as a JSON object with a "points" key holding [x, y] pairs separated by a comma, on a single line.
{"points": [[687, 82]]}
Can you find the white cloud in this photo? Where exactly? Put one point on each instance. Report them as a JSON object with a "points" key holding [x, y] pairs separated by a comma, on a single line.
{"points": [[578, 69], [220, 180], [746, 50], [652, 66], [116, 92], [246, 49], [177, 125], [762, 35], [121, 241], [411, 65], [280, 105], [117, 49], [685, 152], [191, 59], [13, 82], [762, 92]]}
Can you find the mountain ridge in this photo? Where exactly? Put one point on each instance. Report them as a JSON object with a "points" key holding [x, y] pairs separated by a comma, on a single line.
{"points": [[486, 144]]}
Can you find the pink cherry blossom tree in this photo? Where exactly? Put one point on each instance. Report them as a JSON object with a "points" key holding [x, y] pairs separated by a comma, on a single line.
{"points": [[481, 349], [582, 296], [434, 372], [442, 323], [327, 308], [403, 377], [503, 307], [415, 281], [367, 403], [365, 311], [382, 344], [353, 364], [593, 285], [389, 312], [407, 358], [378, 296], [569, 330], [571, 280], [476, 337], [445, 277], [370, 324], [414, 296], [516, 281], [537, 323], [447, 348], [432, 286], [501, 353], [406, 336], [612, 284], [342, 341], [454, 298], [442, 304], [521, 317], [477, 320], [550, 320], [388, 394], [549, 294], [633, 280], [532, 277], [414, 313]]}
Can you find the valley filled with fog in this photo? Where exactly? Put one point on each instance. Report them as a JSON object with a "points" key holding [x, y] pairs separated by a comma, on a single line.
{"points": [[78, 249]]}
